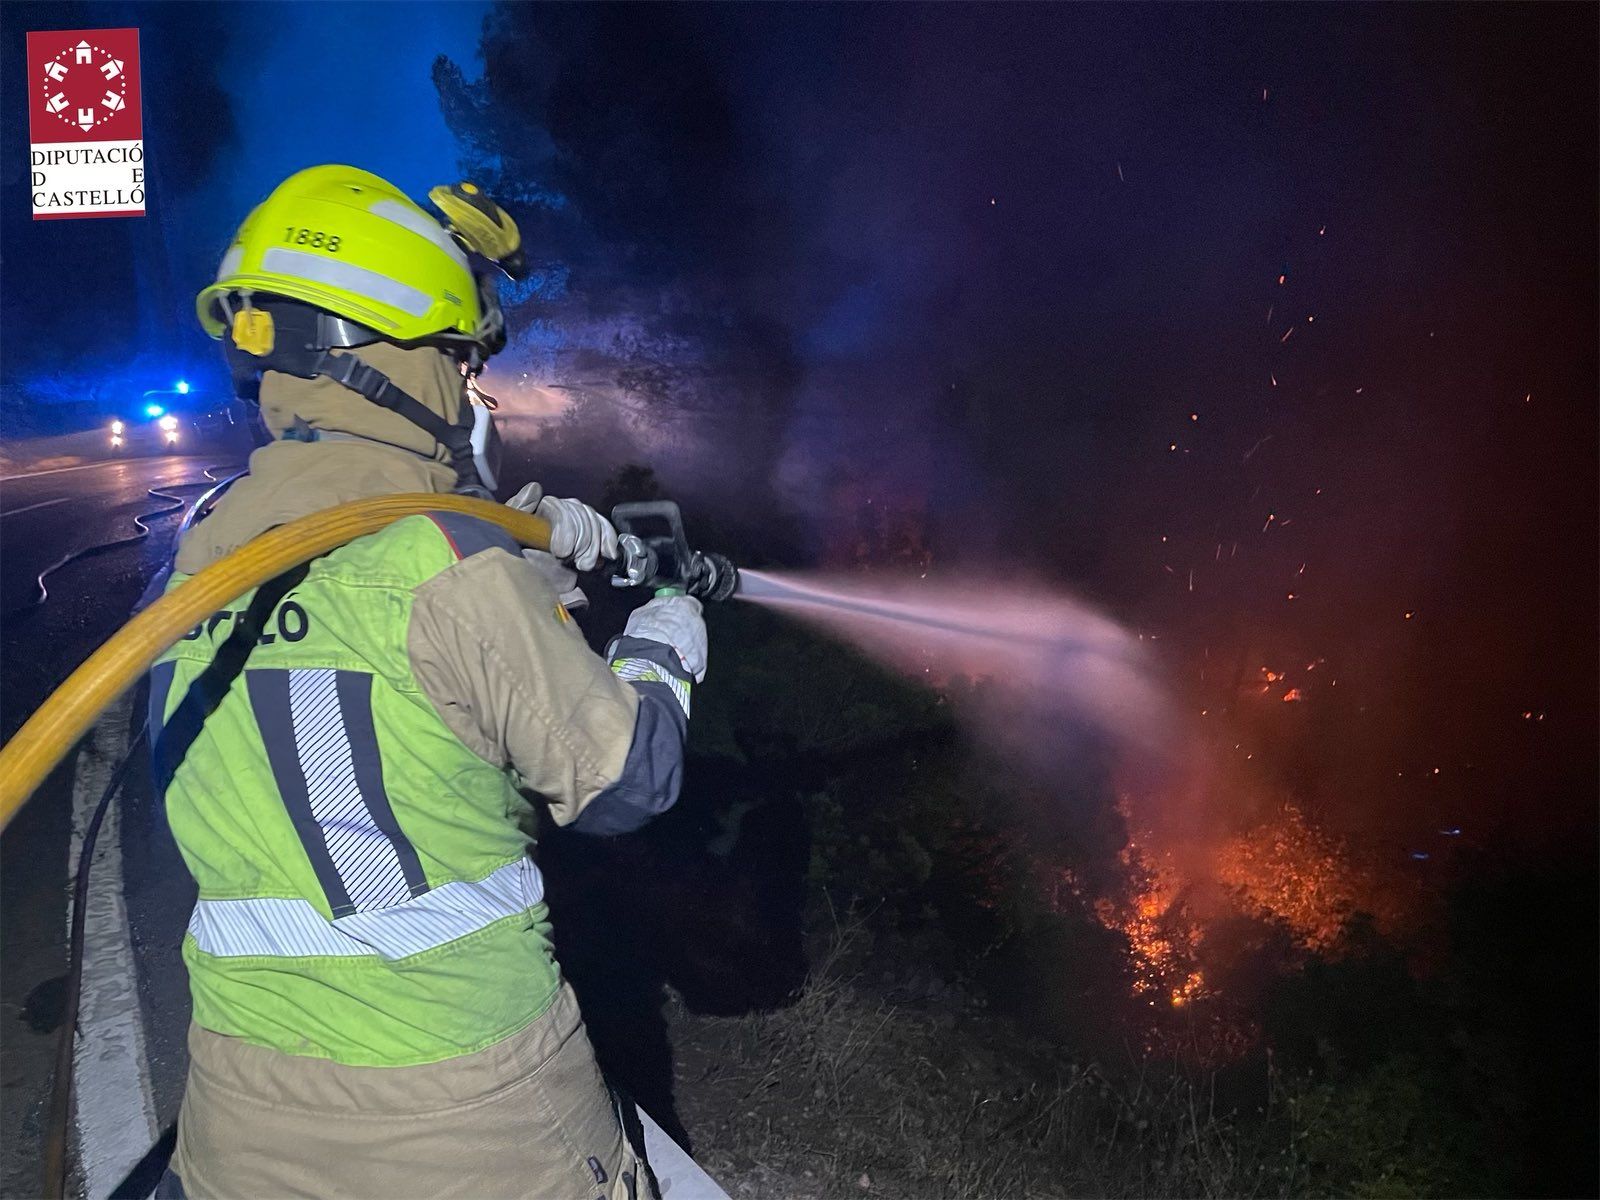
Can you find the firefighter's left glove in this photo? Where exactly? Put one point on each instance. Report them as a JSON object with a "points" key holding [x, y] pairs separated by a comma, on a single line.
{"points": [[674, 621], [579, 536]]}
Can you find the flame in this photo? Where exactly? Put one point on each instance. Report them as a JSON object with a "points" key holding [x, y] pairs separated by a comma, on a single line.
{"points": [[1283, 869], [1163, 935]]}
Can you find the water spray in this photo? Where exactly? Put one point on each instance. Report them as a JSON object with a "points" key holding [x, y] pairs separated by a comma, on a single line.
{"points": [[1051, 665], [1052, 662], [1045, 667]]}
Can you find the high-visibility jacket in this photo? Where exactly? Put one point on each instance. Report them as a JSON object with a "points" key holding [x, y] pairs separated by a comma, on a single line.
{"points": [[350, 773]]}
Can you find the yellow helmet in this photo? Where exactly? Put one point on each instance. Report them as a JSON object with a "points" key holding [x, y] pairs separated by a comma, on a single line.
{"points": [[349, 243]]}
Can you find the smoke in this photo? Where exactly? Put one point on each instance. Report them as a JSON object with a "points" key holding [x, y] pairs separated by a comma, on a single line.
{"points": [[661, 242]]}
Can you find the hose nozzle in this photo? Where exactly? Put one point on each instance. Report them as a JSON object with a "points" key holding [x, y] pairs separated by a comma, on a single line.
{"points": [[714, 577], [656, 554]]}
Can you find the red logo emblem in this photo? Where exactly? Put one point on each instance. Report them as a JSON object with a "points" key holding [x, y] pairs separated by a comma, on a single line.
{"points": [[83, 86], [87, 134]]}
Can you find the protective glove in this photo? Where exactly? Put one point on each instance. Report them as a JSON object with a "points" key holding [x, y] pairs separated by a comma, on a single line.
{"points": [[579, 536], [673, 621]]}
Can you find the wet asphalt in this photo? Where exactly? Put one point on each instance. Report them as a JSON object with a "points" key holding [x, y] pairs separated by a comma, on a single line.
{"points": [[43, 518]]}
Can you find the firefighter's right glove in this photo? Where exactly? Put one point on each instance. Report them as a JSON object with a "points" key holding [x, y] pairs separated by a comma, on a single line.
{"points": [[673, 621], [579, 536]]}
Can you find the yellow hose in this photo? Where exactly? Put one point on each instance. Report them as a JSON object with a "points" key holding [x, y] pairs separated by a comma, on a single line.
{"points": [[63, 718]]}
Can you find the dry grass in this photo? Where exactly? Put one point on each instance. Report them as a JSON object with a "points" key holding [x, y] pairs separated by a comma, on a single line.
{"points": [[847, 1095]]}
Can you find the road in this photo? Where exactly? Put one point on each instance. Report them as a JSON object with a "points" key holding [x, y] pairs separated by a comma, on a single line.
{"points": [[43, 518]]}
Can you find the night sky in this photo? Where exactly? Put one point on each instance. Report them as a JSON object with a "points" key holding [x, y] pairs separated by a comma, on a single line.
{"points": [[1288, 287]]}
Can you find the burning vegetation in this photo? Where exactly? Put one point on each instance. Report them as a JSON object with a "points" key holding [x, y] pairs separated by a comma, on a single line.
{"points": [[1162, 930], [1288, 870]]}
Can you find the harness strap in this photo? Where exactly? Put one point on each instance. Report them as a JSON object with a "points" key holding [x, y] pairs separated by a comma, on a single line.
{"points": [[303, 346]]}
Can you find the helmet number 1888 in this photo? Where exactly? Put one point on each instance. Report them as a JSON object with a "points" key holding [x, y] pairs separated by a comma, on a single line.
{"points": [[315, 238]]}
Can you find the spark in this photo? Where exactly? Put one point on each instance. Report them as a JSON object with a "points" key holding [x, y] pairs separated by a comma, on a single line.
{"points": [[1119, 173], [1287, 335], [1310, 319], [1263, 95], [1274, 379], [1360, 390], [1409, 615], [1194, 416], [1302, 571], [1322, 231], [1172, 446], [1292, 695], [1271, 517], [1270, 307], [1291, 595], [1259, 444], [1281, 279], [1191, 579]]}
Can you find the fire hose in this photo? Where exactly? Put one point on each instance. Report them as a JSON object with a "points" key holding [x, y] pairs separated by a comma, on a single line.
{"points": [[655, 554], [47, 736]]}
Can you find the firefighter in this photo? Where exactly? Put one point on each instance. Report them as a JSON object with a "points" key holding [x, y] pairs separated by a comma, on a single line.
{"points": [[351, 755]]}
